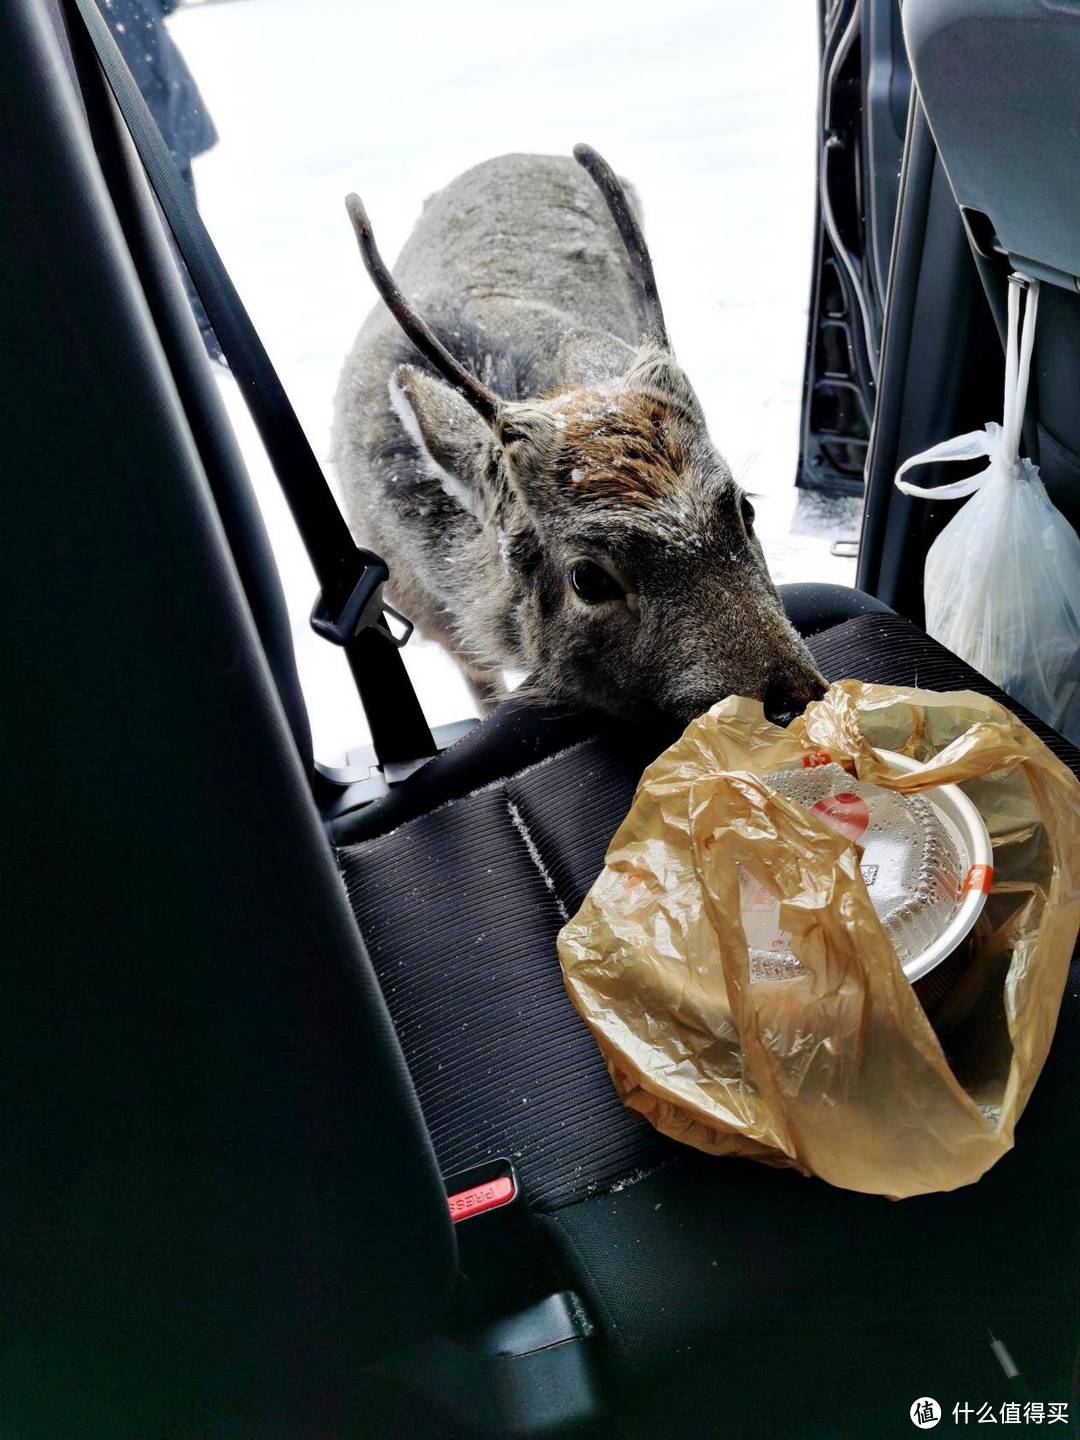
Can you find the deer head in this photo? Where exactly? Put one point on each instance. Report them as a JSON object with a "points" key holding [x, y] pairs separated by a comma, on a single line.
{"points": [[630, 576]]}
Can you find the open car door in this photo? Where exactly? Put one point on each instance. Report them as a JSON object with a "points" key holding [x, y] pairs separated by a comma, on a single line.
{"points": [[864, 85]]}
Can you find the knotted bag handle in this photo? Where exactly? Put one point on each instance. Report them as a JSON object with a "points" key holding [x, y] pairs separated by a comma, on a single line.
{"points": [[997, 442]]}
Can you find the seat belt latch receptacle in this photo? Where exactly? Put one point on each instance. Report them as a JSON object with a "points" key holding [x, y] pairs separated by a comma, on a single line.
{"points": [[480, 1189]]}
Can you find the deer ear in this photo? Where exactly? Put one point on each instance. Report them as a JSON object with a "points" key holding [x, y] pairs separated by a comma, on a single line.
{"points": [[531, 441], [656, 372], [592, 357], [453, 441]]}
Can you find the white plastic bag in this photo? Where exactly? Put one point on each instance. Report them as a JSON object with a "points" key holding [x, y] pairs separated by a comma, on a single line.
{"points": [[1002, 580]]}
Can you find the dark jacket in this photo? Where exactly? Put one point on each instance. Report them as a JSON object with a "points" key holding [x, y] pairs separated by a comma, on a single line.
{"points": [[159, 71]]}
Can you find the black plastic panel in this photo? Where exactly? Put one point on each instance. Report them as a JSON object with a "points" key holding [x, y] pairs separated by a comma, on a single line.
{"points": [[999, 82]]}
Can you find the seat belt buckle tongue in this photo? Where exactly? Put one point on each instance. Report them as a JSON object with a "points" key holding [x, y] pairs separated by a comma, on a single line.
{"points": [[480, 1189], [363, 606]]}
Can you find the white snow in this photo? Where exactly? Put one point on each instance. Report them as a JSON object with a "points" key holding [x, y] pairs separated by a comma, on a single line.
{"points": [[535, 856], [710, 112]]}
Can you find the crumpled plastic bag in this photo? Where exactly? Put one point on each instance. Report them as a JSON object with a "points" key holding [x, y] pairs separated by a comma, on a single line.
{"points": [[1002, 580], [838, 1071]]}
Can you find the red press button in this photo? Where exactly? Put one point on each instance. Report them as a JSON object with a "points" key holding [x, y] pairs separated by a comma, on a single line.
{"points": [[479, 1198]]}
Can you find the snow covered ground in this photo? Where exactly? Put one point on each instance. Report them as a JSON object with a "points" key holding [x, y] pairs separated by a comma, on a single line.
{"points": [[709, 110]]}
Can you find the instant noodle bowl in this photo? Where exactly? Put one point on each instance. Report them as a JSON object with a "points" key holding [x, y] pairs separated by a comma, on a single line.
{"points": [[925, 859]]}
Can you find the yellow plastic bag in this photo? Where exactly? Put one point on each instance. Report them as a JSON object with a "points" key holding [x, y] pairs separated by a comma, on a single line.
{"points": [[837, 1071]]}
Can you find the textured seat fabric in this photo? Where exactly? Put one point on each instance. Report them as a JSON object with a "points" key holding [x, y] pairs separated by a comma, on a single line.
{"points": [[517, 736], [460, 907], [815, 607]]}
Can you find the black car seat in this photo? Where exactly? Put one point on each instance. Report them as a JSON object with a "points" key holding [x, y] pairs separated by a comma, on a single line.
{"points": [[219, 1192], [238, 1076]]}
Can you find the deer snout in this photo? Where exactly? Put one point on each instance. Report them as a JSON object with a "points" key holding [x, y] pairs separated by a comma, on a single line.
{"points": [[785, 700]]}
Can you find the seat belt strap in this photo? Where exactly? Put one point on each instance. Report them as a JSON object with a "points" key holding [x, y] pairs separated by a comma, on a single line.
{"points": [[349, 610]]}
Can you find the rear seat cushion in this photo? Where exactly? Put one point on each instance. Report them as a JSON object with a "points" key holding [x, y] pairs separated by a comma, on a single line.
{"points": [[460, 907], [459, 910]]}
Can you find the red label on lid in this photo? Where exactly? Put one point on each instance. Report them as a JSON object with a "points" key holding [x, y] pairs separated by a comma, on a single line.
{"points": [[845, 812], [978, 877], [479, 1198]]}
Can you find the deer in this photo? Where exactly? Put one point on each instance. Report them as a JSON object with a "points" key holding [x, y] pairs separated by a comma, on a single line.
{"points": [[533, 464]]}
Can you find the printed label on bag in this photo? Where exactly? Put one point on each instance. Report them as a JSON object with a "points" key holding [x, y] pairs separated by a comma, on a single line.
{"points": [[815, 758]]}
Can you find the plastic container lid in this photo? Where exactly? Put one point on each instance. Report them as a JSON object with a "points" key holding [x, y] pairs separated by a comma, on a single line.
{"points": [[926, 860]]}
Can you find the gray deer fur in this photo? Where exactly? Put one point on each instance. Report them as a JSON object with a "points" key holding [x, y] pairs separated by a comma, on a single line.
{"points": [[599, 452]]}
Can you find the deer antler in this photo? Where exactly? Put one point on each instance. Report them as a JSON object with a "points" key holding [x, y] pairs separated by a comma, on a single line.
{"points": [[484, 401], [610, 186]]}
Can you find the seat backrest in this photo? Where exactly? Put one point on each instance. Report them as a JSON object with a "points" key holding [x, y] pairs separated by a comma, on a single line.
{"points": [[219, 1193], [998, 82], [157, 263]]}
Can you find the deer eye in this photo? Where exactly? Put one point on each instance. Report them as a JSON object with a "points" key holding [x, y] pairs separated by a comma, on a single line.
{"points": [[593, 583], [748, 513]]}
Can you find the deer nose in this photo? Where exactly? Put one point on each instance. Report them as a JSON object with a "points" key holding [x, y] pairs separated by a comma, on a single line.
{"points": [[784, 702]]}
